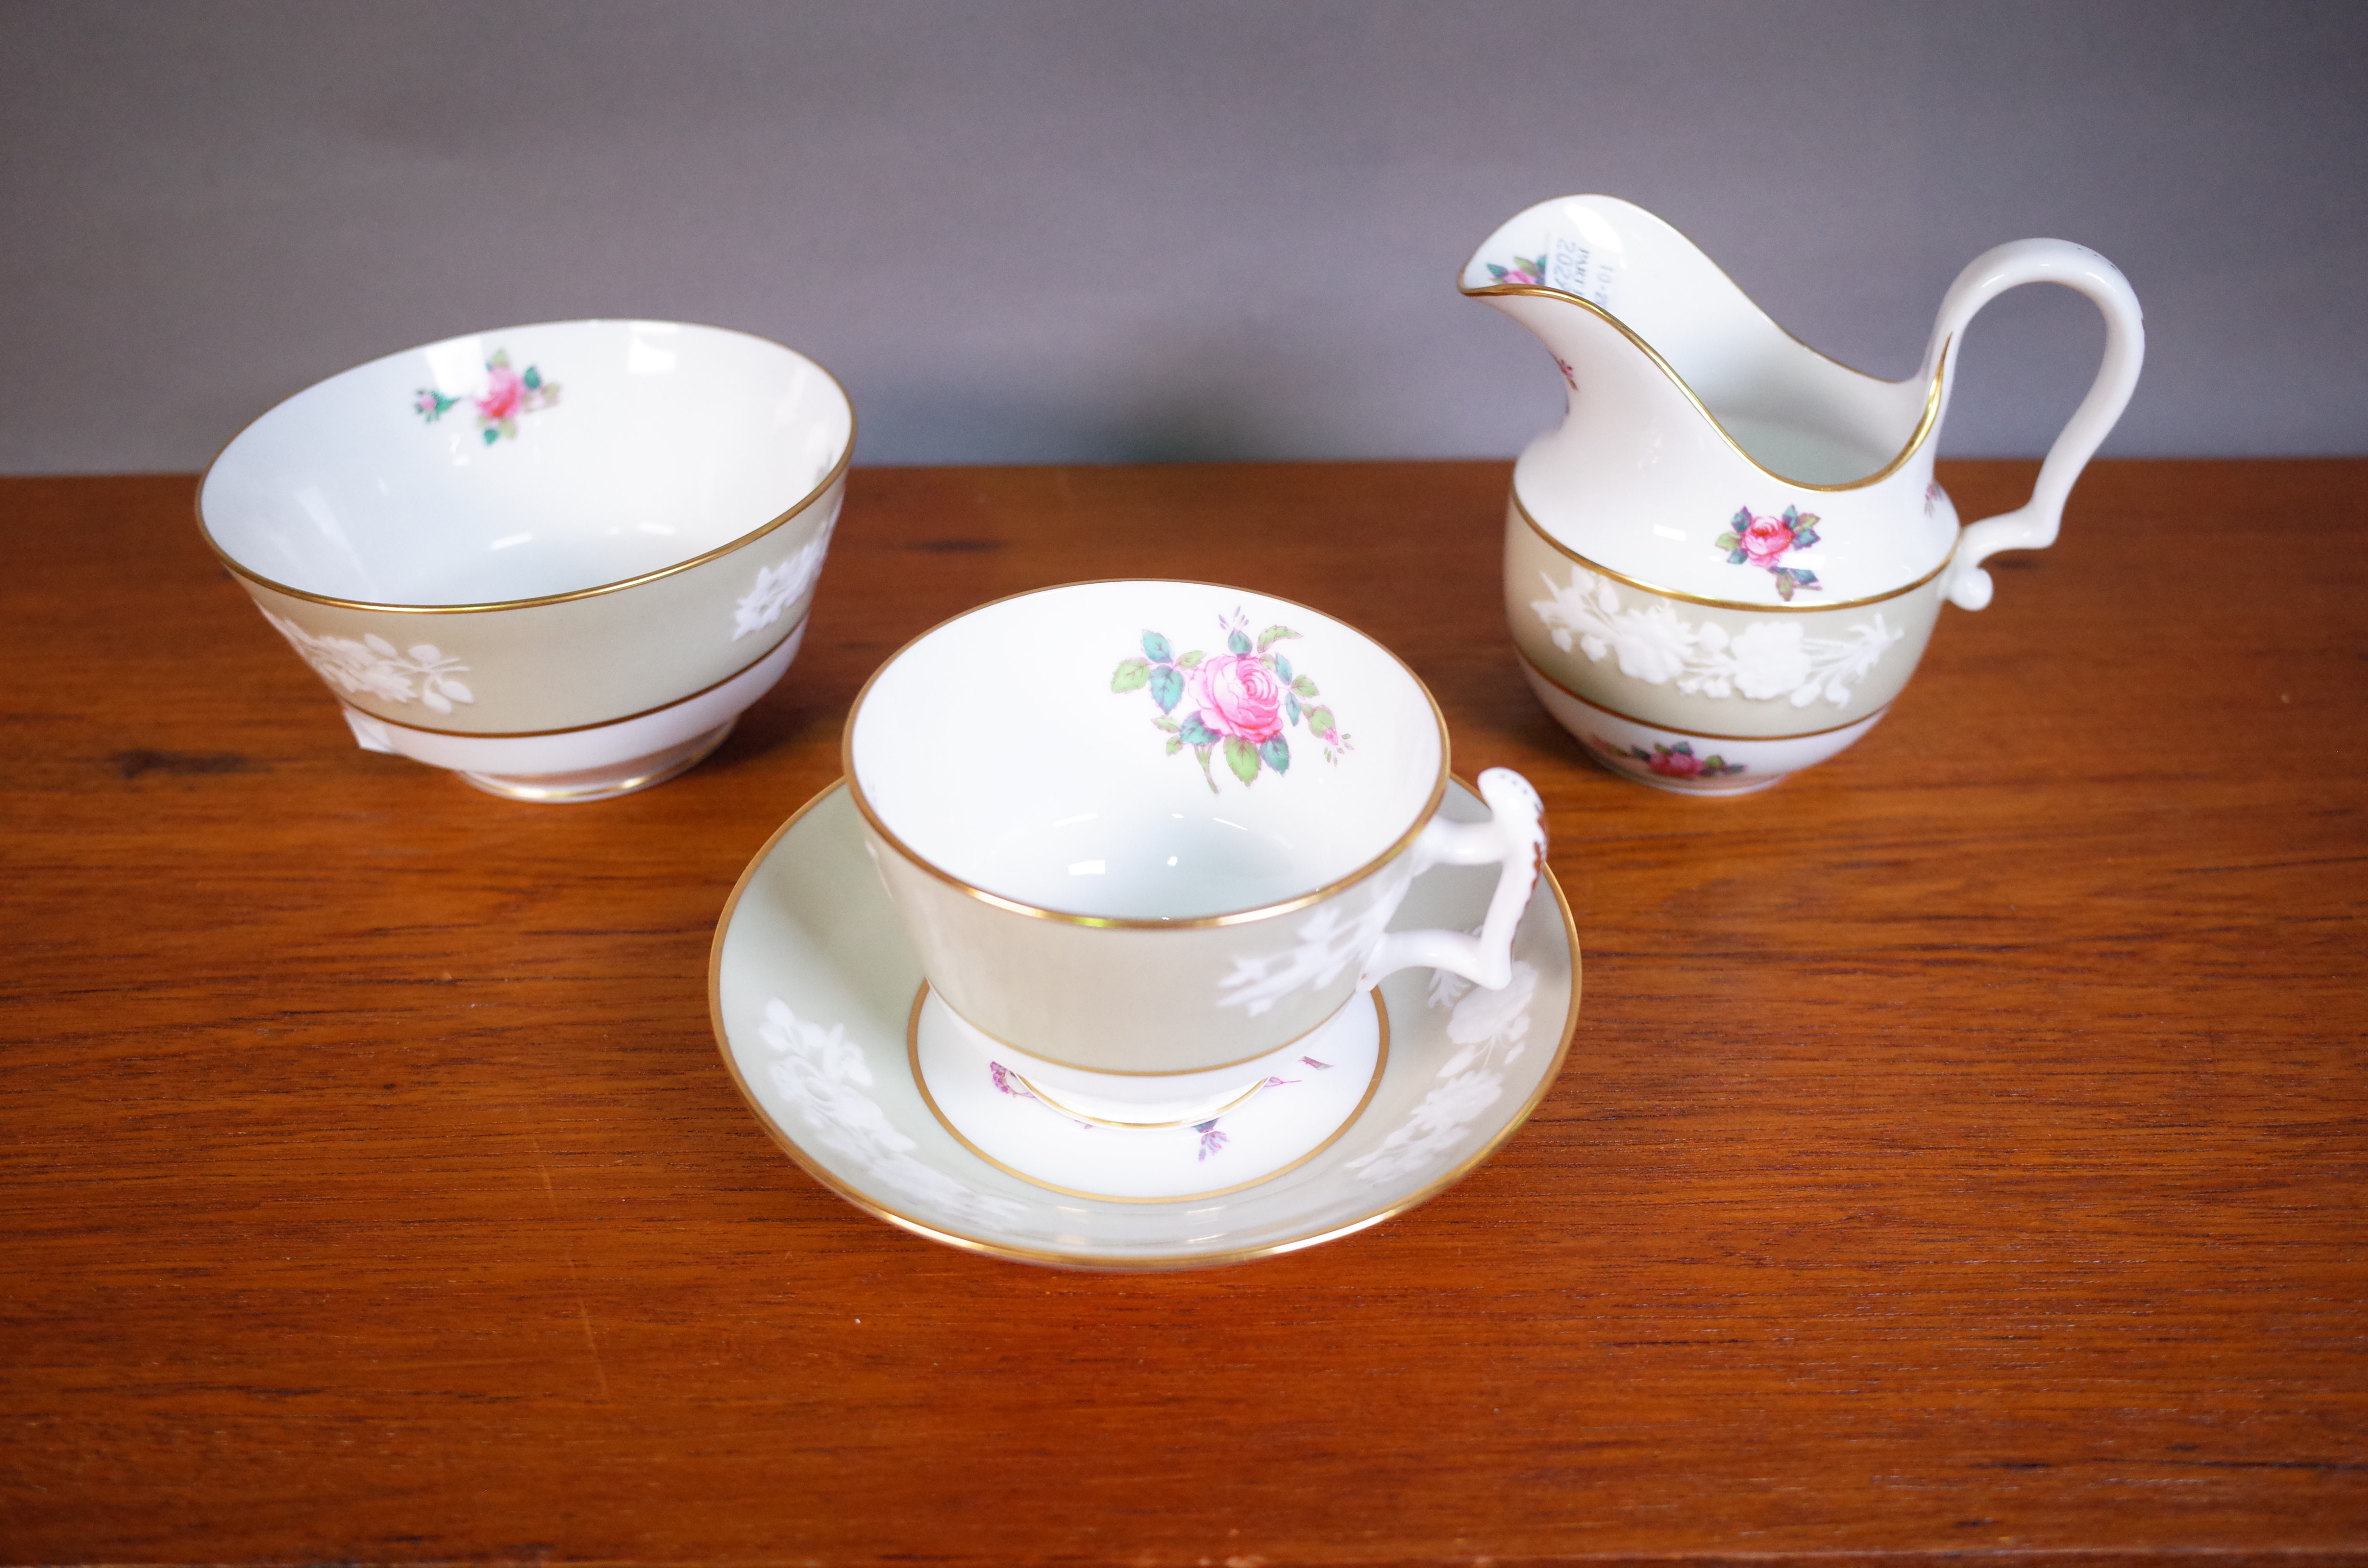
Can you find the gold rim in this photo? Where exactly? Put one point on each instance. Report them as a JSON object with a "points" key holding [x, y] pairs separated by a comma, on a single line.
{"points": [[1924, 423], [1641, 585], [1709, 261], [1127, 923], [1126, 1265], [578, 729], [1373, 1086], [838, 471], [1530, 665]]}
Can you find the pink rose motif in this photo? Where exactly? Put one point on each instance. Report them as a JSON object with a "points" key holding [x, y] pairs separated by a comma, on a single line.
{"points": [[1767, 539], [1237, 695], [1675, 764], [505, 389]]}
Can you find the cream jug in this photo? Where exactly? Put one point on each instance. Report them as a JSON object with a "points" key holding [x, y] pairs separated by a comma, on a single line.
{"points": [[1723, 564]]}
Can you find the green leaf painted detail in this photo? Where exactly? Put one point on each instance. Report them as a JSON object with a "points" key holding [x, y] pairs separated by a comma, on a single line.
{"points": [[1231, 710]]}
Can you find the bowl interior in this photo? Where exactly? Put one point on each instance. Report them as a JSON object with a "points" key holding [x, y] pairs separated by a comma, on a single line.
{"points": [[524, 463], [1146, 750]]}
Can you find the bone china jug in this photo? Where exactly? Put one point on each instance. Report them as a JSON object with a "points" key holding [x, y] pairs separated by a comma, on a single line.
{"points": [[1723, 564]]}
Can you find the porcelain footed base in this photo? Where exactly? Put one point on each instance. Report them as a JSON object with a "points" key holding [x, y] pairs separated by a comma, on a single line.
{"points": [[599, 762], [601, 783], [1273, 1125], [1673, 786], [1685, 764]]}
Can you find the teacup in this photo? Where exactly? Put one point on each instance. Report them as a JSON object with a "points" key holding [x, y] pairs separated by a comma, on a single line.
{"points": [[559, 597], [1147, 836]]}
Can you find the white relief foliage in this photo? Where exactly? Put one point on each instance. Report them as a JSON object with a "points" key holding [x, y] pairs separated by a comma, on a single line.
{"points": [[1766, 659], [1482, 1023], [824, 1074], [1328, 942], [781, 585], [420, 673]]}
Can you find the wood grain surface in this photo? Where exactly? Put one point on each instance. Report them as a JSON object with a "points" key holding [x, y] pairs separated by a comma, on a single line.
{"points": [[1962, 1151]]}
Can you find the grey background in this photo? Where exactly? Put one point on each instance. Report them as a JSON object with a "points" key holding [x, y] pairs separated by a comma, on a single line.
{"points": [[1114, 230]]}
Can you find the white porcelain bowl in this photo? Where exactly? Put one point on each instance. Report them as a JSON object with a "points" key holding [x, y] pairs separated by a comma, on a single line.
{"points": [[559, 560]]}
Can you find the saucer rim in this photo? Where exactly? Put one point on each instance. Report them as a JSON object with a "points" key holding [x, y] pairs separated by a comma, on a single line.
{"points": [[1129, 1263]]}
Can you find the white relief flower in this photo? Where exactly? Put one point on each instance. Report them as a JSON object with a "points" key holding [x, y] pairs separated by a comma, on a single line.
{"points": [[1772, 659], [1766, 659], [1654, 645], [825, 1074], [420, 673], [1327, 943], [1482, 1023], [780, 585], [1434, 1128], [1483, 1019]]}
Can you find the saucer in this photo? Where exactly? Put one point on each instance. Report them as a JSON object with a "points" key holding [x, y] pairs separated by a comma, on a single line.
{"points": [[824, 1024]]}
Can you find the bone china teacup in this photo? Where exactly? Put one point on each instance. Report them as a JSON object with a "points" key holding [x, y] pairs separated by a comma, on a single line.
{"points": [[1146, 835], [561, 597]]}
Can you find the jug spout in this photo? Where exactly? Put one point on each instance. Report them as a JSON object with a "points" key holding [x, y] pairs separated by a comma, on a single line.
{"points": [[1683, 390], [1631, 308]]}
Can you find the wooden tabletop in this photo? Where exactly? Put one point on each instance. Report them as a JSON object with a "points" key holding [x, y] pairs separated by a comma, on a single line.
{"points": [[1962, 1150]]}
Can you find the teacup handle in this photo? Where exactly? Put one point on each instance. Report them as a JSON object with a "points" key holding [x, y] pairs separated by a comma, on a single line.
{"points": [[1515, 835], [2033, 525]]}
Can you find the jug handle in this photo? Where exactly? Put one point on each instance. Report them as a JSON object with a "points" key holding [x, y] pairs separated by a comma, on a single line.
{"points": [[2033, 525]]}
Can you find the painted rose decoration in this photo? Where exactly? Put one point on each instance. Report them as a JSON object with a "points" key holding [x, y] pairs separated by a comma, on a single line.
{"points": [[1670, 762], [1240, 701], [1755, 539], [508, 393]]}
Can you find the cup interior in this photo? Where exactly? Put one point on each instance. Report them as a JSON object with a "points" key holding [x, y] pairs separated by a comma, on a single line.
{"points": [[1146, 750], [526, 462]]}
